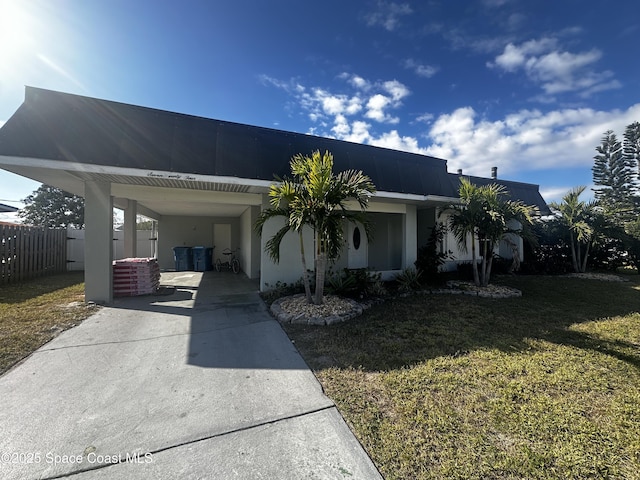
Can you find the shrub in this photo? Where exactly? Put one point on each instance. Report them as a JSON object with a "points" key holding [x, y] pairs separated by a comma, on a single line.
{"points": [[281, 289], [608, 254], [356, 283], [409, 280], [430, 258]]}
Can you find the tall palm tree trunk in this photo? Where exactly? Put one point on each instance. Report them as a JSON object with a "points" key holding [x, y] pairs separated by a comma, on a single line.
{"points": [[489, 262], [586, 256], [574, 260], [476, 277], [305, 272], [483, 276], [321, 263], [579, 257]]}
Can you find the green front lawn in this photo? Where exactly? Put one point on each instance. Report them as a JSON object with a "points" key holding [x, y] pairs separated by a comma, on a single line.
{"points": [[543, 386], [35, 311]]}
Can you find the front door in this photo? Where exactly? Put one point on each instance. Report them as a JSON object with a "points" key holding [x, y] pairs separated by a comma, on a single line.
{"points": [[357, 245]]}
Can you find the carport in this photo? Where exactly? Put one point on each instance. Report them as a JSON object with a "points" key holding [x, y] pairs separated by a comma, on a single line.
{"points": [[191, 211], [141, 161]]}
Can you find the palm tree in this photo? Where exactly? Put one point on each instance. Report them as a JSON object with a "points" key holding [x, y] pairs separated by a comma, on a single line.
{"points": [[316, 198], [464, 222], [579, 219], [483, 214]]}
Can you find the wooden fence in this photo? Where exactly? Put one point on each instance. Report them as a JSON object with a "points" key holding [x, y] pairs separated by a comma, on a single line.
{"points": [[28, 252]]}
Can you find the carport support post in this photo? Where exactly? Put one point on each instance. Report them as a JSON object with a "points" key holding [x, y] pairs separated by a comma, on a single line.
{"points": [[130, 229], [410, 237], [98, 214]]}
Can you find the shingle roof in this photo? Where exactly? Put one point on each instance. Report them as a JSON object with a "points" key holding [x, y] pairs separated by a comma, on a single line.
{"points": [[59, 126]]}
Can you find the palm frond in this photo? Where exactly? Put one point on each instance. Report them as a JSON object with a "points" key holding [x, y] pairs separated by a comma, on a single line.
{"points": [[268, 214], [272, 247]]}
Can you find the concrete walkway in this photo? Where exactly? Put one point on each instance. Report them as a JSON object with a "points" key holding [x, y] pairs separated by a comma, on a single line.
{"points": [[202, 383]]}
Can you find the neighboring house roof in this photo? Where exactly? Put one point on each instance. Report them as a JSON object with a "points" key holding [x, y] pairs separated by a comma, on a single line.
{"points": [[7, 208], [528, 193], [71, 128]]}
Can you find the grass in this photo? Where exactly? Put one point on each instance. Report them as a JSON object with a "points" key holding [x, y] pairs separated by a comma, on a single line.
{"points": [[542, 386], [34, 312]]}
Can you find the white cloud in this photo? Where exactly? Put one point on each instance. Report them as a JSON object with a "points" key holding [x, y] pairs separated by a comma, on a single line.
{"points": [[554, 70], [426, 71], [379, 103], [425, 118], [395, 141], [321, 103], [290, 86], [525, 140], [388, 14], [341, 127], [357, 132], [515, 57], [376, 106], [397, 90], [358, 82], [555, 194]]}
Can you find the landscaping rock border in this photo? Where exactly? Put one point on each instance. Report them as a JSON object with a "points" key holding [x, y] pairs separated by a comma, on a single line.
{"points": [[490, 291], [605, 277], [294, 309], [335, 309]]}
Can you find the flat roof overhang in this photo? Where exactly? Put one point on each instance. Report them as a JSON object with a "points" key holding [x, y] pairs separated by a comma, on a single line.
{"points": [[161, 193]]}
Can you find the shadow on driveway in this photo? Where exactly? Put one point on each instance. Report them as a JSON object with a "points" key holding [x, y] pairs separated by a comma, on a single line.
{"points": [[228, 323], [203, 385]]}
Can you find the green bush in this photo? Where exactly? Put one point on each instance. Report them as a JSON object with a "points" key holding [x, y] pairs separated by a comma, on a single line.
{"points": [[409, 280], [281, 289], [430, 258], [356, 283]]}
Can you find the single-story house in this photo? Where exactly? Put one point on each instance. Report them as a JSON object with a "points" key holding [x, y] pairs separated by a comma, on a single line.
{"points": [[205, 181]]}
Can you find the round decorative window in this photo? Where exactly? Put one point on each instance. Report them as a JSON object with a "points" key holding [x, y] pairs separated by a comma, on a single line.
{"points": [[356, 238]]}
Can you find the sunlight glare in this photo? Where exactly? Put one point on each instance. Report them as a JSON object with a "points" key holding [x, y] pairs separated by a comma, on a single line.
{"points": [[17, 29], [14, 29]]}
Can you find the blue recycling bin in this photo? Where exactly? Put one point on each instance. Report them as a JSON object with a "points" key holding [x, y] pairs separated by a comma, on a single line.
{"points": [[183, 257], [202, 258]]}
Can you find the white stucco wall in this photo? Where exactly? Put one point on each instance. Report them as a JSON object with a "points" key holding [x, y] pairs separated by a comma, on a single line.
{"points": [[249, 243], [289, 268], [189, 232], [394, 245]]}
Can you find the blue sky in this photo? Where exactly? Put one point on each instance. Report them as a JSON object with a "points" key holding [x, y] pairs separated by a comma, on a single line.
{"points": [[529, 87]]}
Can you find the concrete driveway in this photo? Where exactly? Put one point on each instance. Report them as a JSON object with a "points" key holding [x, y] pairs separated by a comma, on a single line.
{"points": [[202, 383]]}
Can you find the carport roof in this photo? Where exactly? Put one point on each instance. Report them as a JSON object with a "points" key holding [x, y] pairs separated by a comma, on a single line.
{"points": [[76, 131]]}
